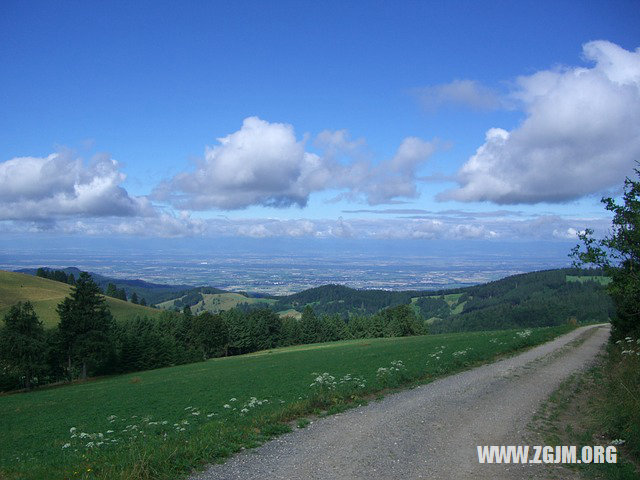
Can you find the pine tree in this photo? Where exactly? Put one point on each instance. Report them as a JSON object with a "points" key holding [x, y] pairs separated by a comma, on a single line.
{"points": [[86, 326], [134, 298], [112, 291], [22, 342]]}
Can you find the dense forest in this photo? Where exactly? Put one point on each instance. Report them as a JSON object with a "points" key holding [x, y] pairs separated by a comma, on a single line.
{"points": [[534, 299], [330, 299]]}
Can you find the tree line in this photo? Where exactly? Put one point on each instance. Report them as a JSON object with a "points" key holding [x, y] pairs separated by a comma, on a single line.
{"points": [[88, 341]]}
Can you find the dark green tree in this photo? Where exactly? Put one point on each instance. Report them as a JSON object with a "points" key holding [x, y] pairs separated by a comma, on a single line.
{"points": [[619, 255], [291, 333], [210, 334], [134, 298], [401, 321], [265, 329], [22, 342], [86, 327], [312, 328], [112, 291]]}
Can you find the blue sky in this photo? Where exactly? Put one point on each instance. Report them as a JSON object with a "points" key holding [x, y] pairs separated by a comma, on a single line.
{"points": [[338, 119]]}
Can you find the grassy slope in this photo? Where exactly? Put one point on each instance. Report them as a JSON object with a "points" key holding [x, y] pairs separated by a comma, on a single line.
{"points": [[217, 302], [39, 423], [45, 295]]}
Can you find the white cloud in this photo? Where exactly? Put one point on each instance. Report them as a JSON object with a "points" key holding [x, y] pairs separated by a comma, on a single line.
{"points": [[264, 164], [581, 135], [390, 180], [260, 164], [59, 185], [468, 93]]}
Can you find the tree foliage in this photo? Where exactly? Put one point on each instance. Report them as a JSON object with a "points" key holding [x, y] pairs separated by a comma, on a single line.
{"points": [[22, 343], [86, 327], [619, 255]]}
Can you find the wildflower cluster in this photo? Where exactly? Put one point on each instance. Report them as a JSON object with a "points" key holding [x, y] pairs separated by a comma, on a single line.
{"points": [[326, 388], [125, 430], [460, 353], [437, 354], [524, 333], [252, 403], [629, 345], [324, 381], [350, 381], [392, 375]]}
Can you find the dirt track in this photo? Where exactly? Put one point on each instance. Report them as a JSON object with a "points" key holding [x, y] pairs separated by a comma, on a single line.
{"points": [[428, 432]]}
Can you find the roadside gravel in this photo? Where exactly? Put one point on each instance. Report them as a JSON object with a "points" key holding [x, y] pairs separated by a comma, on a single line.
{"points": [[430, 431]]}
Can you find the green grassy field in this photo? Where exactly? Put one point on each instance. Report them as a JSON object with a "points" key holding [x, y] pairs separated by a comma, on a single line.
{"points": [[46, 294], [217, 302], [163, 423]]}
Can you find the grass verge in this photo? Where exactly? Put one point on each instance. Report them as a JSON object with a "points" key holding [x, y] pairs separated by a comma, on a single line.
{"points": [[600, 406]]}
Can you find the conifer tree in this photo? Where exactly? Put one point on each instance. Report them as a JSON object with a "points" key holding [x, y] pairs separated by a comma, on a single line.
{"points": [[86, 326], [22, 342]]}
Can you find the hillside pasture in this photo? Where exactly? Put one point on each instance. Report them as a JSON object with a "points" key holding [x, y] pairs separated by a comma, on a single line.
{"points": [[218, 302], [45, 295]]}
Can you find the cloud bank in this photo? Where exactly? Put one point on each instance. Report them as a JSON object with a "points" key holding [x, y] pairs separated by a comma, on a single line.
{"points": [[59, 185], [265, 164], [581, 134]]}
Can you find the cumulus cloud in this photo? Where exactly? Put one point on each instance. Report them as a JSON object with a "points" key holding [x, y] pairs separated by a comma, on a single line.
{"points": [[260, 164], [581, 135], [264, 164], [467, 93], [59, 185], [390, 180]]}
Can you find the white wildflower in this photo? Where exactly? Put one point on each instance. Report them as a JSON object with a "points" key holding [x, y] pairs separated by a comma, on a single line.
{"points": [[66, 445]]}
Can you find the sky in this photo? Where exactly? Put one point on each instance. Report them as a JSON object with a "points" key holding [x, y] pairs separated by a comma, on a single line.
{"points": [[429, 121]]}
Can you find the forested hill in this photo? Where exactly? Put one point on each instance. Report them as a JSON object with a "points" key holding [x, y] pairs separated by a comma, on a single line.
{"points": [[533, 299], [332, 299], [549, 297], [152, 292]]}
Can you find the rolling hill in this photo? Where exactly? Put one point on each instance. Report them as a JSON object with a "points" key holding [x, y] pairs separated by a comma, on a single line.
{"points": [[153, 293], [46, 294], [213, 302]]}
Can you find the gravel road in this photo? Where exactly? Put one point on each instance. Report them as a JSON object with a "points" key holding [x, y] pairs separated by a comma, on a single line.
{"points": [[430, 431]]}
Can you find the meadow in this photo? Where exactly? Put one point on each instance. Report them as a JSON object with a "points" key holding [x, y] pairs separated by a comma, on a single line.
{"points": [[219, 302], [45, 295], [163, 423]]}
